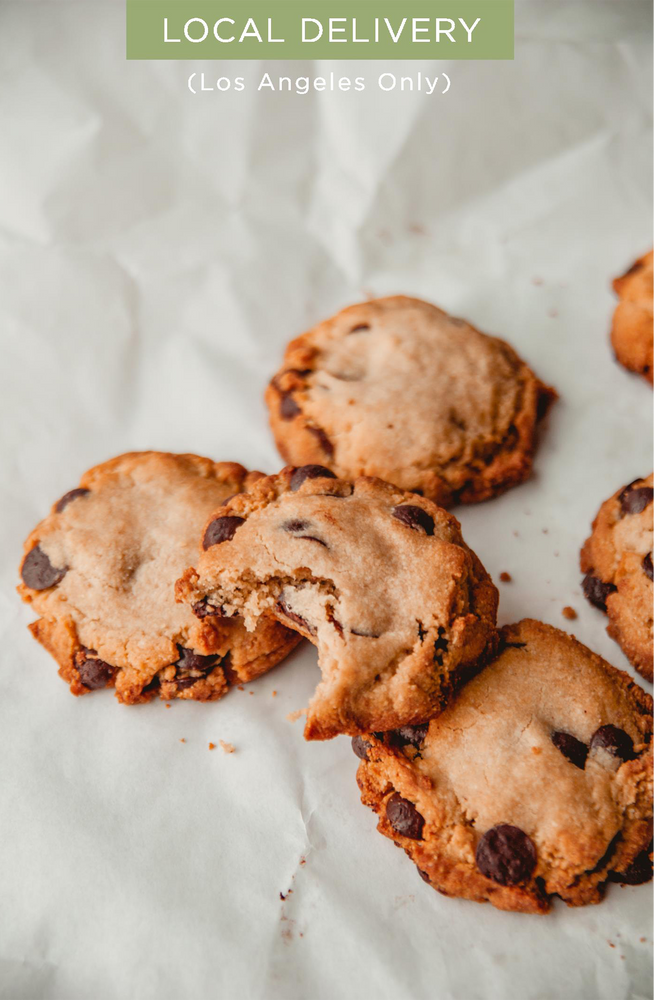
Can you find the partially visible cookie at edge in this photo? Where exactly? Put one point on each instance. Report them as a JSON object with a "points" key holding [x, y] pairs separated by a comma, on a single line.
{"points": [[398, 389], [617, 562], [632, 333], [100, 571], [536, 781], [380, 580]]}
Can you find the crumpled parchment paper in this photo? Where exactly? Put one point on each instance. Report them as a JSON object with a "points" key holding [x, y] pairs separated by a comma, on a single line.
{"points": [[157, 250]]}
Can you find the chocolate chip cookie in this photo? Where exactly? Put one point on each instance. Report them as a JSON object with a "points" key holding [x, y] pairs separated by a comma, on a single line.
{"points": [[380, 580], [535, 781], [100, 572], [632, 331], [398, 389], [617, 562]]}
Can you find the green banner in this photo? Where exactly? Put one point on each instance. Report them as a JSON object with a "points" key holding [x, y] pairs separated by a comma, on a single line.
{"points": [[319, 29]]}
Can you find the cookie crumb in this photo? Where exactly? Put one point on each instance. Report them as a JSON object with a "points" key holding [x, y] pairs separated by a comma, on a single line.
{"points": [[569, 613], [294, 716], [226, 747], [182, 740], [274, 694], [643, 940], [240, 687], [212, 746], [167, 706], [250, 692], [506, 577]]}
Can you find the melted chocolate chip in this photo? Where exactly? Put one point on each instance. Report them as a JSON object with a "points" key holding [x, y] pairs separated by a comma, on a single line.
{"points": [[634, 500], [360, 747], [288, 408], [638, 872], [294, 617], [414, 517], [185, 682], [423, 875], [415, 735], [323, 440], [221, 530], [506, 855], [69, 497], [202, 609], [572, 748], [190, 660], [647, 566], [37, 571], [614, 741], [404, 817], [597, 591], [94, 674], [310, 472], [296, 527]]}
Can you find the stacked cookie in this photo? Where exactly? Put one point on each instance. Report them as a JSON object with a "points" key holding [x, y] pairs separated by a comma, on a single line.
{"points": [[178, 576]]}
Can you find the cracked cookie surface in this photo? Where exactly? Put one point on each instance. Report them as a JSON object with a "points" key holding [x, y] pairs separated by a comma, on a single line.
{"points": [[100, 571], [380, 580], [633, 329], [398, 389], [535, 781], [617, 562]]}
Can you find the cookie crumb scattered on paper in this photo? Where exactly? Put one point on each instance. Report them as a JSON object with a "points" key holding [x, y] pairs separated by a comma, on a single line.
{"points": [[212, 746], [226, 747], [506, 577], [294, 716], [182, 740], [569, 613], [274, 694]]}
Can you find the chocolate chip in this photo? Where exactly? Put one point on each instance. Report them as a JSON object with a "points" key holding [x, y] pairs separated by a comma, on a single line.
{"points": [[614, 741], [94, 674], [415, 735], [441, 646], [310, 472], [506, 855], [296, 527], [424, 876], [185, 682], [221, 530], [190, 660], [638, 872], [202, 609], [288, 408], [323, 440], [360, 747], [404, 817], [69, 497], [634, 500], [37, 571], [597, 591], [647, 566], [294, 617], [414, 517], [571, 747], [360, 328]]}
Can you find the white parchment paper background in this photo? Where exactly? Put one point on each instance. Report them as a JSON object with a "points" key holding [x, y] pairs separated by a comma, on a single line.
{"points": [[156, 252]]}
